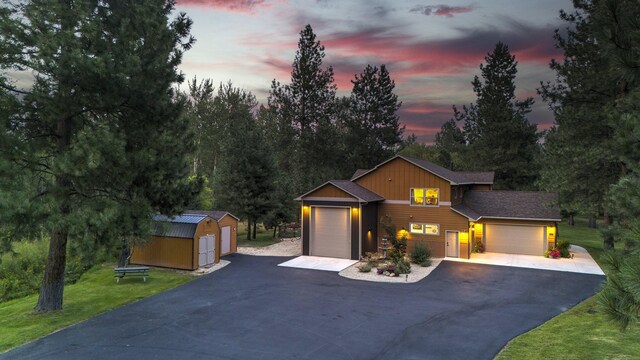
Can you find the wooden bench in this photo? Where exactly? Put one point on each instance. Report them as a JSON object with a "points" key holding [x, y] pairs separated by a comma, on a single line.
{"points": [[131, 271]]}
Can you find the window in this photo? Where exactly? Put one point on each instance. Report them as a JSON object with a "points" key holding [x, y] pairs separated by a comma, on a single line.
{"points": [[426, 229], [424, 197]]}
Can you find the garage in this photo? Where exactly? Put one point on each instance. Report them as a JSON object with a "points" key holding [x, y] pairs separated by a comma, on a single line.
{"points": [[515, 239], [330, 232]]}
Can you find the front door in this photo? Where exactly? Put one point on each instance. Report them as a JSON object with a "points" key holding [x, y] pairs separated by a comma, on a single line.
{"points": [[452, 244]]}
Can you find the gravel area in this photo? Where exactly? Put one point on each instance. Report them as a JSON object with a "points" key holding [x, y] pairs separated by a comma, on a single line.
{"points": [[286, 247], [417, 273]]}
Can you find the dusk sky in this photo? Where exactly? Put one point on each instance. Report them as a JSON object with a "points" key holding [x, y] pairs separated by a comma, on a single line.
{"points": [[432, 49]]}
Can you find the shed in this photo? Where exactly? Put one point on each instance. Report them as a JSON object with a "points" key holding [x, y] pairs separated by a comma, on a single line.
{"points": [[188, 241]]}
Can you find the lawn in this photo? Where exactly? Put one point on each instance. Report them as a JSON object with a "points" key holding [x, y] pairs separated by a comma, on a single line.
{"points": [[95, 293], [263, 237], [583, 332]]}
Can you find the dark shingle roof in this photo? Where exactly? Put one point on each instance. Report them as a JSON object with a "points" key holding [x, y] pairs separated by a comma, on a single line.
{"points": [[535, 205], [356, 190], [454, 177], [215, 214], [358, 173]]}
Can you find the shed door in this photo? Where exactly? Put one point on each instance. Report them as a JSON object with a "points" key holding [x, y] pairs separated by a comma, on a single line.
{"points": [[513, 239], [330, 232], [207, 250], [226, 240]]}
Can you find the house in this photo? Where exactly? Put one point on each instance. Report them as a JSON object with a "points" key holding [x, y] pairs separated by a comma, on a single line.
{"points": [[189, 240], [447, 210]]}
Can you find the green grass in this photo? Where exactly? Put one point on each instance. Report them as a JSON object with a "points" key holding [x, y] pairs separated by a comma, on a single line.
{"points": [[263, 237], [95, 293], [582, 332]]}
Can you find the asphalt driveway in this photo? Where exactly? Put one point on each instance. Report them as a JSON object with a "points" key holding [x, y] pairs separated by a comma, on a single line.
{"points": [[253, 309]]}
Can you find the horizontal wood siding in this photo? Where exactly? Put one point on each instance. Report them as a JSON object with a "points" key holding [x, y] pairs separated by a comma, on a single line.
{"points": [[167, 252], [393, 180], [403, 215], [208, 226], [329, 191], [233, 223]]}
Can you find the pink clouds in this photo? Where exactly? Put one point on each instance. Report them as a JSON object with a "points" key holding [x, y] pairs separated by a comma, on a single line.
{"points": [[239, 6], [441, 10]]}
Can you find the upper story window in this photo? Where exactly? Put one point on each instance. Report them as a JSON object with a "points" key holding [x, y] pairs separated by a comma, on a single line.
{"points": [[425, 196]]}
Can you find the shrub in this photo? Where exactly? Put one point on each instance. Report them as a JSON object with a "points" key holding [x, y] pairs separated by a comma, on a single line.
{"points": [[402, 267], [563, 247], [364, 268], [421, 253], [478, 247], [426, 263], [22, 268]]}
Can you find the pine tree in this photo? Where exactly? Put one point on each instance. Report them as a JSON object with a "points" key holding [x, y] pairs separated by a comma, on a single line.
{"points": [[450, 143], [100, 129], [499, 136], [373, 131]]}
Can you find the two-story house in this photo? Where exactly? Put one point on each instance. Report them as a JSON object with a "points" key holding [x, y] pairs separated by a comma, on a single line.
{"points": [[445, 209]]}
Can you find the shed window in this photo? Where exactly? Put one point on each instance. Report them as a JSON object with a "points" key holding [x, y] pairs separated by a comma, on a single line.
{"points": [[426, 229], [425, 196]]}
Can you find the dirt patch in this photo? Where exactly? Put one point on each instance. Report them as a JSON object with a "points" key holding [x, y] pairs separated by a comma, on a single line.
{"points": [[286, 247]]}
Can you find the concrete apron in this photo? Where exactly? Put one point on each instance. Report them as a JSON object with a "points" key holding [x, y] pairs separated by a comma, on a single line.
{"points": [[319, 263], [582, 262]]}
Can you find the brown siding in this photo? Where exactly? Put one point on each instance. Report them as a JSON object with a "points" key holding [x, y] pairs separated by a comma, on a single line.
{"points": [[208, 226], [403, 215], [233, 223], [329, 191], [393, 180], [165, 252], [481, 187]]}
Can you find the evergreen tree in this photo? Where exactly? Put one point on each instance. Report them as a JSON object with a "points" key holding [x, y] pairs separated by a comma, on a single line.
{"points": [[373, 132], [201, 113], [450, 143], [305, 108], [499, 137], [243, 183], [100, 130]]}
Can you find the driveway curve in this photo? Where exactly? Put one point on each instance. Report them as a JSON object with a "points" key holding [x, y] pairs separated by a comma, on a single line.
{"points": [[253, 309]]}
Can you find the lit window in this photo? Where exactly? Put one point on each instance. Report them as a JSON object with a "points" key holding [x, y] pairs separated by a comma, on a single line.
{"points": [[424, 197], [426, 229]]}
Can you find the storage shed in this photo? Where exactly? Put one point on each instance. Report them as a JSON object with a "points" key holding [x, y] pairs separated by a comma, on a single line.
{"points": [[188, 241]]}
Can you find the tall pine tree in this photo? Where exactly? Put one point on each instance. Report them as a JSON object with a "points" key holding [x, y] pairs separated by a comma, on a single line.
{"points": [[101, 127]]}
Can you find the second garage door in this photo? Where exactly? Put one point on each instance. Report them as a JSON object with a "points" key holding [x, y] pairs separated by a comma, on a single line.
{"points": [[512, 239], [329, 233]]}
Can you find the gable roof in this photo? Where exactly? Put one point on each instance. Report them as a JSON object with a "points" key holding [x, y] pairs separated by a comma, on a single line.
{"points": [[454, 177], [217, 215], [533, 205], [358, 173], [179, 226], [351, 188]]}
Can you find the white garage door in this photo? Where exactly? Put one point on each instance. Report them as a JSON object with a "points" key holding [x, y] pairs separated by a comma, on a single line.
{"points": [[225, 240], [527, 240], [329, 232]]}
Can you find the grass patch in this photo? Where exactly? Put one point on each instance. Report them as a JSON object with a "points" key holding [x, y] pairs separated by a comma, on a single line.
{"points": [[582, 332], [263, 237], [95, 293]]}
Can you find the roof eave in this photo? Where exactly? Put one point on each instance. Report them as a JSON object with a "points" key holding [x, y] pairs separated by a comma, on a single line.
{"points": [[518, 218]]}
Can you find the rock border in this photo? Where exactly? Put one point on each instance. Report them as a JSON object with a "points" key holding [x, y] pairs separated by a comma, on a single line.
{"points": [[417, 273]]}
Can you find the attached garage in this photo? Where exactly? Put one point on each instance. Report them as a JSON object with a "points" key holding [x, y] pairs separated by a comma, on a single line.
{"points": [[515, 239], [330, 232]]}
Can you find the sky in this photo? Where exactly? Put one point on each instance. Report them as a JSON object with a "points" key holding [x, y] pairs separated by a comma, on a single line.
{"points": [[431, 49]]}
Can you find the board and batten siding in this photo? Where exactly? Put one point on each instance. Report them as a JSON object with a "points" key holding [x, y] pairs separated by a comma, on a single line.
{"points": [[393, 180], [230, 221], [403, 215], [166, 252], [329, 191]]}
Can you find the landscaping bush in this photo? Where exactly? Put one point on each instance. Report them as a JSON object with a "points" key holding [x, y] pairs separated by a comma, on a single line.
{"points": [[478, 247], [426, 263], [364, 268], [402, 267], [421, 253], [563, 247]]}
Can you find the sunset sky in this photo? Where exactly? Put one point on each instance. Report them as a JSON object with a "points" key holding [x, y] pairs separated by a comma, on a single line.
{"points": [[431, 50]]}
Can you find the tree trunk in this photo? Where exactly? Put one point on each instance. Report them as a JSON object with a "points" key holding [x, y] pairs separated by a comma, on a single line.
{"points": [[275, 228], [255, 226], [608, 240], [248, 229], [125, 254], [571, 220], [592, 222]]}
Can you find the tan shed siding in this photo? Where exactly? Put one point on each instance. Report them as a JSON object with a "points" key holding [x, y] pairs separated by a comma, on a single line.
{"points": [[165, 252], [393, 180], [233, 223], [208, 226], [329, 191], [403, 215]]}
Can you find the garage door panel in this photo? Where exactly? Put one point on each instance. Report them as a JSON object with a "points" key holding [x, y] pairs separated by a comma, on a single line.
{"points": [[512, 239], [330, 232]]}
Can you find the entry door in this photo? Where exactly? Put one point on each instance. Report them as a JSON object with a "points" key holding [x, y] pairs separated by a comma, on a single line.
{"points": [[452, 244], [207, 250], [226, 240]]}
